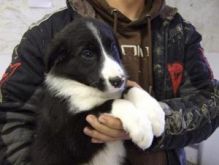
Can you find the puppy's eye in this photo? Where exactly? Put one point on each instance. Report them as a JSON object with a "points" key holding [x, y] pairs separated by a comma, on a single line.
{"points": [[87, 54]]}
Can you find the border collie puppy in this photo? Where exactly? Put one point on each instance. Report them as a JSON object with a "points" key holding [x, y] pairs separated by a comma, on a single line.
{"points": [[84, 77]]}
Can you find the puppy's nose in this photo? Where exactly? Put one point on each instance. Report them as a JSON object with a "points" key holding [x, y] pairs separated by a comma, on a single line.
{"points": [[116, 81]]}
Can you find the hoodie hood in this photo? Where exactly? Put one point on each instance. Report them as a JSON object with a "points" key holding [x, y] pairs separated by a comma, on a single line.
{"points": [[135, 35], [92, 8], [152, 9]]}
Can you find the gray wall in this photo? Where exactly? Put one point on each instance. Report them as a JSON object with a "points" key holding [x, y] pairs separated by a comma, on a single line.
{"points": [[16, 17], [204, 14]]}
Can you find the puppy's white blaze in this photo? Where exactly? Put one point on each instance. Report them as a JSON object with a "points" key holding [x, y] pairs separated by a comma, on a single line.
{"points": [[112, 154], [110, 67], [80, 96]]}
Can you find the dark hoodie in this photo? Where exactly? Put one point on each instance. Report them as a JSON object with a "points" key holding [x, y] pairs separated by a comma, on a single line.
{"points": [[134, 36], [135, 39]]}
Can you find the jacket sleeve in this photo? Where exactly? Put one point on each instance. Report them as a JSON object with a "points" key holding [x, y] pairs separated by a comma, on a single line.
{"points": [[194, 115], [21, 79]]}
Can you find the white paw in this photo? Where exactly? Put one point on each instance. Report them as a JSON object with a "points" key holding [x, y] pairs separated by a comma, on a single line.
{"points": [[138, 127], [140, 132], [149, 107]]}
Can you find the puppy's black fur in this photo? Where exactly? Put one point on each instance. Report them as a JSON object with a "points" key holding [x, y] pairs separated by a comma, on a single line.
{"points": [[75, 55], [60, 139]]}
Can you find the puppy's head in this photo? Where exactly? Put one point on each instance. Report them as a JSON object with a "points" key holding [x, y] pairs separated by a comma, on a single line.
{"points": [[87, 51]]}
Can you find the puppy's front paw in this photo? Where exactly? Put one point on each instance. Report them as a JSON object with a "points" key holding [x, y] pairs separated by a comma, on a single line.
{"points": [[149, 107], [138, 126], [140, 131]]}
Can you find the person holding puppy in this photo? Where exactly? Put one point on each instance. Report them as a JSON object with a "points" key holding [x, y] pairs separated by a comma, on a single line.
{"points": [[161, 53]]}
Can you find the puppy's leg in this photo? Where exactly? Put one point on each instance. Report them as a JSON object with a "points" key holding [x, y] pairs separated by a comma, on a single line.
{"points": [[138, 127], [149, 107]]}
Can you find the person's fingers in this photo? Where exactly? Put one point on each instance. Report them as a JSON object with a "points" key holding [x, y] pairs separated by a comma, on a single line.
{"points": [[132, 84], [104, 129], [110, 121], [96, 141], [97, 136]]}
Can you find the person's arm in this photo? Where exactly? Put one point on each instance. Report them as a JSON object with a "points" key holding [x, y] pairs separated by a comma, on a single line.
{"points": [[22, 77], [194, 115]]}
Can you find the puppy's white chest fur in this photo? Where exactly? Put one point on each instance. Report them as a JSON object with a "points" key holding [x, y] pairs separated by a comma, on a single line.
{"points": [[112, 154], [80, 97]]}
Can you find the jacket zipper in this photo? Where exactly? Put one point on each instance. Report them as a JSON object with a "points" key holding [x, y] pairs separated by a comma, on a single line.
{"points": [[165, 58]]}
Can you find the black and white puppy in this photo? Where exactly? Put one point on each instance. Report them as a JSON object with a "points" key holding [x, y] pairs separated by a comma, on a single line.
{"points": [[84, 77]]}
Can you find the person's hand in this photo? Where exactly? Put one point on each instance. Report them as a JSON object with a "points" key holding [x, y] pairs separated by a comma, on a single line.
{"points": [[105, 128], [132, 84]]}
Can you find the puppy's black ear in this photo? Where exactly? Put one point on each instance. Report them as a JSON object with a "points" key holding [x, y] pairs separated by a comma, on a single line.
{"points": [[55, 53]]}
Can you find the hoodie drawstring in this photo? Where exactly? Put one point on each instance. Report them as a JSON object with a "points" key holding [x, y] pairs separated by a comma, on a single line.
{"points": [[149, 50], [149, 54], [115, 19]]}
